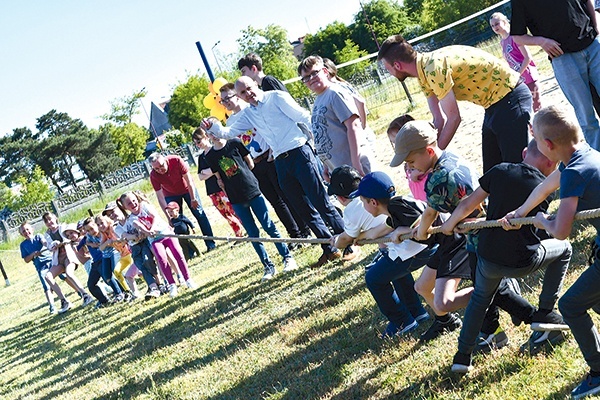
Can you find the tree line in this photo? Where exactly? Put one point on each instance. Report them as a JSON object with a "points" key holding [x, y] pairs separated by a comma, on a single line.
{"points": [[44, 161]]}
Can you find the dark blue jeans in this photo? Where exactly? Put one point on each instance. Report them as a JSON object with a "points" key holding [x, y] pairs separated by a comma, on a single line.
{"points": [[392, 286], [108, 267], [93, 278], [197, 212], [505, 131], [144, 261], [258, 206], [301, 183]]}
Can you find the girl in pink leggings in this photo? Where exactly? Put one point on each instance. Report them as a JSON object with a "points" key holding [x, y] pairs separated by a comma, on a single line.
{"points": [[146, 220]]}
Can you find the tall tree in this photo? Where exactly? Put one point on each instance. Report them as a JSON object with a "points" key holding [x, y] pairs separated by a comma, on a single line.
{"points": [[15, 155], [130, 141], [97, 154], [439, 13], [327, 41], [185, 108], [122, 110]]}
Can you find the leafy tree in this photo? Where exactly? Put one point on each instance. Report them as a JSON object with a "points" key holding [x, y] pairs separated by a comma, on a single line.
{"points": [[439, 13], [98, 156], [176, 138], [129, 140], [7, 198], [123, 109], [15, 155], [327, 41], [185, 108], [351, 52], [272, 45], [34, 189], [385, 17]]}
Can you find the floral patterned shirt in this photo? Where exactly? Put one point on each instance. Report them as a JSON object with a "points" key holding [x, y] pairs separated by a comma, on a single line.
{"points": [[472, 74]]}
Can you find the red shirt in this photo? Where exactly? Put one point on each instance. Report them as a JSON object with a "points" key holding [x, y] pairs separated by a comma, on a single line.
{"points": [[171, 182]]}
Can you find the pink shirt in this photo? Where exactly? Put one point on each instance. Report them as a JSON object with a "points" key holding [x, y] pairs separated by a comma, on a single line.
{"points": [[171, 182], [515, 58]]}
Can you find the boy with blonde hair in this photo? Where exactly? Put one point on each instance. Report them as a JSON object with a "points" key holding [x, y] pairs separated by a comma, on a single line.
{"points": [[559, 138]]}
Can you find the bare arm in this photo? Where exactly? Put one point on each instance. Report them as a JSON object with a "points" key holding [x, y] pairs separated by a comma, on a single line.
{"points": [[249, 161], [342, 240], [420, 232], [450, 108], [589, 5], [559, 227], [438, 117], [187, 177], [205, 174], [552, 47], [353, 129], [526, 58], [466, 206], [160, 196]]}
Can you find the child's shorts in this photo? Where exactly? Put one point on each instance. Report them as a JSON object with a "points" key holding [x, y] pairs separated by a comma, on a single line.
{"points": [[451, 260]]}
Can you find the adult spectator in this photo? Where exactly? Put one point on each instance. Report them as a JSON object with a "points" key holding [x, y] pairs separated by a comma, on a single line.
{"points": [[567, 31], [284, 126], [172, 181], [251, 66], [466, 73]]}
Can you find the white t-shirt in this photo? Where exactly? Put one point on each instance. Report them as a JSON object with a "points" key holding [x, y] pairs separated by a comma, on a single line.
{"points": [[150, 218], [357, 219]]}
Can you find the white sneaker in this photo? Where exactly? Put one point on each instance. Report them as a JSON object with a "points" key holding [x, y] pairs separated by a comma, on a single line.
{"points": [[289, 264], [191, 284], [269, 273], [65, 306], [172, 290]]}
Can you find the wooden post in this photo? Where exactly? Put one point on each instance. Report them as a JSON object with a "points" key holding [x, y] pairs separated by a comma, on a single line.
{"points": [[4, 274]]}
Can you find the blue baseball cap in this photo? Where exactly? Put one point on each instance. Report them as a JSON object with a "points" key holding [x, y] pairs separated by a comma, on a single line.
{"points": [[376, 185]]}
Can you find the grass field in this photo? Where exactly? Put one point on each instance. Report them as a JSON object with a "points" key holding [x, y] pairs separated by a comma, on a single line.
{"points": [[304, 335]]}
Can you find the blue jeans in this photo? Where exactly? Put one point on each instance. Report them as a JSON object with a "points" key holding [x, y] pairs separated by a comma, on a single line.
{"points": [[93, 279], [392, 286], [108, 267], [301, 183], [574, 72], [574, 305], [552, 255], [197, 212], [505, 130], [258, 206], [144, 261]]}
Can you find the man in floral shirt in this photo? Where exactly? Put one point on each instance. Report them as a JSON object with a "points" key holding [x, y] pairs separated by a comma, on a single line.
{"points": [[455, 73]]}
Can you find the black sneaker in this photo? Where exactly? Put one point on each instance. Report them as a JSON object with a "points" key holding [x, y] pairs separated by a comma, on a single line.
{"points": [[164, 289], [438, 327], [493, 341], [548, 321], [540, 340], [461, 363]]}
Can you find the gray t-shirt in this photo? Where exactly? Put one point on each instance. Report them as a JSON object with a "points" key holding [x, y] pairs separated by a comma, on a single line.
{"points": [[331, 108]]}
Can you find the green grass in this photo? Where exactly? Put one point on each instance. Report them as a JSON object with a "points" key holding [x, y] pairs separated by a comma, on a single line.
{"points": [[304, 335]]}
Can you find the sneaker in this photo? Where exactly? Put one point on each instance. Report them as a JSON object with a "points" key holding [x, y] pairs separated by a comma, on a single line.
{"points": [[52, 309], [392, 330], [539, 340], [461, 363], [209, 249], [590, 385], [119, 298], [102, 305], [65, 306], [152, 294], [438, 327], [493, 341], [87, 299], [191, 284], [422, 317], [548, 321], [127, 297], [269, 273], [325, 258], [172, 290], [289, 264], [164, 289], [350, 253], [180, 279]]}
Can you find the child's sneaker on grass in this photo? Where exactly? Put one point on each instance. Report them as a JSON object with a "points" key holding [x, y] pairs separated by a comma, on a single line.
{"points": [[441, 326], [289, 264], [493, 341], [172, 290], [590, 385], [65, 306], [87, 299], [52, 309], [548, 321], [392, 330], [152, 294], [539, 340], [461, 363], [269, 273], [191, 284]]}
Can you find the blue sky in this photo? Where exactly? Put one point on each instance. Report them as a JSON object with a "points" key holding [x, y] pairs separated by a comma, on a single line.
{"points": [[77, 56]]}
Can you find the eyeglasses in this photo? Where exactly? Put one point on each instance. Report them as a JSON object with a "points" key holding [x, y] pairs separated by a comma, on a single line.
{"points": [[226, 99], [307, 78]]}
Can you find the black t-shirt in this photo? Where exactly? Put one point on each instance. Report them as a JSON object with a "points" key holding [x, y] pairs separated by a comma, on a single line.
{"points": [[212, 186], [508, 186], [269, 82], [565, 21], [239, 181]]}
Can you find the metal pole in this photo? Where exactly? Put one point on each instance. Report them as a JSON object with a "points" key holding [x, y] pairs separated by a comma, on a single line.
{"points": [[212, 49], [205, 61], [4, 274]]}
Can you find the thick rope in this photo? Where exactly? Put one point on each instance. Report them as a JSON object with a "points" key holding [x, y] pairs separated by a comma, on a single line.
{"points": [[464, 226]]}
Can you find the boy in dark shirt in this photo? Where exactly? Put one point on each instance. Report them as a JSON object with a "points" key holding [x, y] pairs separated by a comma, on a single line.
{"points": [[512, 254], [231, 162], [181, 226]]}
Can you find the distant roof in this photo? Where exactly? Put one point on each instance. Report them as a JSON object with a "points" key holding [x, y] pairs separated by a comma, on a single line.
{"points": [[159, 120]]}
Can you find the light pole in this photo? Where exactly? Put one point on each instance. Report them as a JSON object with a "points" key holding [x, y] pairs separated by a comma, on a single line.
{"points": [[212, 49]]}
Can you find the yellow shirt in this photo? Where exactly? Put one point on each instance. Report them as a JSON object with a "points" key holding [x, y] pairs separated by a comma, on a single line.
{"points": [[472, 74]]}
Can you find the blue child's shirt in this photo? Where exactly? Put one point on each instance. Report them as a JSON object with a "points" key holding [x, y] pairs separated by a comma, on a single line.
{"points": [[94, 252], [27, 247]]}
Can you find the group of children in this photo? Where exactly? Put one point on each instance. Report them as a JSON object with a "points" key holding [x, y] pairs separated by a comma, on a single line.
{"points": [[115, 247]]}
